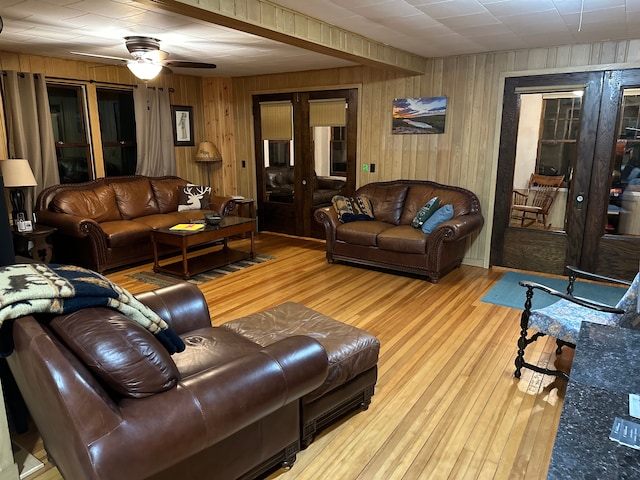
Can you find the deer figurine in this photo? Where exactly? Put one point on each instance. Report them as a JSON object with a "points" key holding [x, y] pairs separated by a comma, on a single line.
{"points": [[195, 194]]}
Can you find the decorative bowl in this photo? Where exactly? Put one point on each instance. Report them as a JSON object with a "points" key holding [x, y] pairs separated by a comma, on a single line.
{"points": [[213, 218]]}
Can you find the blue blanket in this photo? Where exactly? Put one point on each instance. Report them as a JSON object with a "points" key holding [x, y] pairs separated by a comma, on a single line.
{"points": [[27, 289]]}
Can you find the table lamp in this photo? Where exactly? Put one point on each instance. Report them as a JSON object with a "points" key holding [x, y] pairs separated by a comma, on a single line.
{"points": [[16, 173], [208, 153]]}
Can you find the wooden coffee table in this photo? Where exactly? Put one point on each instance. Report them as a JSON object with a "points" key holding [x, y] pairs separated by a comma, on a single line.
{"points": [[207, 260]]}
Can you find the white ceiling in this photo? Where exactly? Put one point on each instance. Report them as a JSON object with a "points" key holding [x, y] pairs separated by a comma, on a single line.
{"points": [[431, 28]]}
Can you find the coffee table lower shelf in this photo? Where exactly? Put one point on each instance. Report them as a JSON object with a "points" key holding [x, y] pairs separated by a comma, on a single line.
{"points": [[203, 263]]}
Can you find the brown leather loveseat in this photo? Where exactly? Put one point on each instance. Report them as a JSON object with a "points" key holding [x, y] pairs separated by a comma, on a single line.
{"points": [[389, 241], [107, 223], [110, 403]]}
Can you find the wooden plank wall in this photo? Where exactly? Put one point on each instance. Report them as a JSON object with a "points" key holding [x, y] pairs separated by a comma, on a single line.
{"points": [[466, 154], [209, 97]]}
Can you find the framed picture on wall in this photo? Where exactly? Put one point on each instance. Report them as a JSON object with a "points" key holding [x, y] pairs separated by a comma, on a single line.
{"points": [[419, 115], [182, 125]]}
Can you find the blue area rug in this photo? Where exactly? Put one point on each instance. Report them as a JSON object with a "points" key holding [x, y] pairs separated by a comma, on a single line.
{"points": [[509, 293]]}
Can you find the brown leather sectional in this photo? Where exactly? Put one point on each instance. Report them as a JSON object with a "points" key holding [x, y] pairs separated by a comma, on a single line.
{"points": [[111, 403], [390, 242], [106, 223]]}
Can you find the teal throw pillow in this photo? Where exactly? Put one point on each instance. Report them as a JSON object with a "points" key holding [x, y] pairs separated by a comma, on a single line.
{"points": [[425, 212], [443, 214]]}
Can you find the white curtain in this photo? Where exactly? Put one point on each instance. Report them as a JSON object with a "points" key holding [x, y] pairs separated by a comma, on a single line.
{"points": [[29, 128], [154, 132]]}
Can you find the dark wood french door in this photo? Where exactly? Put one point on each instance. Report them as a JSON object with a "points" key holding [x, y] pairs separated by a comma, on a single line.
{"points": [[595, 230], [287, 170]]}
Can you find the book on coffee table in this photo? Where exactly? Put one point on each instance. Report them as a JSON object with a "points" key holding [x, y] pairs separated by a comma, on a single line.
{"points": [[188, 227]]}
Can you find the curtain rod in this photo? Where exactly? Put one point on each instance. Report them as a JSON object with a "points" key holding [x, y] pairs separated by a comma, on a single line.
{"points": [[171, 89]]}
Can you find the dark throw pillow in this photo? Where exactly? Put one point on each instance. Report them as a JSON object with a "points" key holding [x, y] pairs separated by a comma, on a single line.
{"points": [[193, 197], [425, 212], [443, 214]]}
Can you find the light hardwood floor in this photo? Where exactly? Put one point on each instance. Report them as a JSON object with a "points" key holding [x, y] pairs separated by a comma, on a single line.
{"points": [[446, 403]]}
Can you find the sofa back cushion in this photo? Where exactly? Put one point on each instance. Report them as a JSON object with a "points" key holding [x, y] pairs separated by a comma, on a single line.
{"points": [[135, 197], [121, 353], [387, 200], [165, 191], [97, 203], [420, 193]]}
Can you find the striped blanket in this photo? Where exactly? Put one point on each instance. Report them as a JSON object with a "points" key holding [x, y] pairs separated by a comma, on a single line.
{"points": [[27, 289]]}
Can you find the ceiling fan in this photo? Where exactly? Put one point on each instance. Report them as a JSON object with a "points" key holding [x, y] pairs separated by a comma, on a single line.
{"points": [[147, 59]]}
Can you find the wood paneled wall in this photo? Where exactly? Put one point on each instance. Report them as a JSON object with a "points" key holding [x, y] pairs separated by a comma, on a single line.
{"points": [[209, 97], [466, 154]]}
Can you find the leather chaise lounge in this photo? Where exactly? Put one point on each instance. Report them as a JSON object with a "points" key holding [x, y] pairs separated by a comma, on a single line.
{"points": [[110, 403]]}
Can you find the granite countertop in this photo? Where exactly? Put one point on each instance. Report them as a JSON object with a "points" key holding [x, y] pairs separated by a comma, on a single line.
{"points": [[605, 370]]}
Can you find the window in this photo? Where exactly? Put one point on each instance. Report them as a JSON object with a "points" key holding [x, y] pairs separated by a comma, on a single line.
{"points": [[559, 135], [67, 104], [118, 131]]}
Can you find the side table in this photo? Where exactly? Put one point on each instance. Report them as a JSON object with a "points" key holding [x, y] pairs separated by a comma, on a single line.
{"points": [[41, 249], [245, 207]]}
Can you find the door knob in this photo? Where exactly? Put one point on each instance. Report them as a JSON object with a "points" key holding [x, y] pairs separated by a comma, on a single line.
{"points": [[304, 183]]}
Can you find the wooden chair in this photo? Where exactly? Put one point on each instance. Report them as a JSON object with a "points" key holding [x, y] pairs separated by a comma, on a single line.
{"points": [[533, 205], [562, 319]]}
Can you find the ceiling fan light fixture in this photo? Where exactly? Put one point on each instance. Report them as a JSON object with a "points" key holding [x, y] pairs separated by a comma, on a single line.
{"points": [[144, 70]]}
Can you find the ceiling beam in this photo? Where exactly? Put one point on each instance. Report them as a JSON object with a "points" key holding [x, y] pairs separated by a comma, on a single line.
{"points": [[268, 20]]}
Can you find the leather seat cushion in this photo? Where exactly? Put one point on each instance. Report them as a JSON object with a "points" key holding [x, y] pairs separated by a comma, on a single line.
{"points": [[210, 347], [351, 350], [124, 233], [119, 351], [403, 238], [361, 233]]}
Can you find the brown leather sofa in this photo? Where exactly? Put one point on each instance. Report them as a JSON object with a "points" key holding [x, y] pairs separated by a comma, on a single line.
{"points": [[110, 403], [390, 242], [107, 223], [280, 188]]}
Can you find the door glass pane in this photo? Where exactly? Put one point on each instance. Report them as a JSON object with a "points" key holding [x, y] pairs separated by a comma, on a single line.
{"points": [[623, 215], [279, 173], [548, 132]]}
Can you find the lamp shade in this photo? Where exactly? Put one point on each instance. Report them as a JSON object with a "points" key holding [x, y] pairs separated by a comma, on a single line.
{"points": [[16, 172], [144, 69], [208, 152]]}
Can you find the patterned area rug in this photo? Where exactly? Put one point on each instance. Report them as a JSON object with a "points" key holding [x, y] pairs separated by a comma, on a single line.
{"points": [[164, 279]]}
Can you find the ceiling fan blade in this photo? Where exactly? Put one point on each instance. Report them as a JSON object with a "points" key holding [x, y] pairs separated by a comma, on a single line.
{"points": [[155, 56], [94, 55], [185, 64]]}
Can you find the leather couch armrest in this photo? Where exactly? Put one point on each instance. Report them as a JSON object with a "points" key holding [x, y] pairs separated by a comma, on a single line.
{"points": [[222, 205], [182, 306], [459, 227], [328, 217], [330, 183], [69, 224], [208, 407]]}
